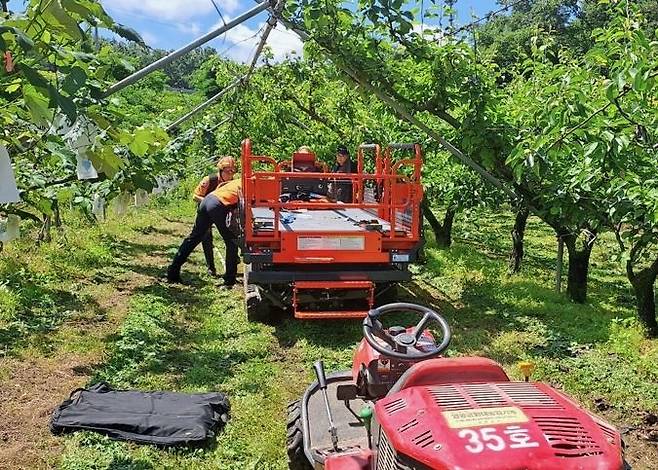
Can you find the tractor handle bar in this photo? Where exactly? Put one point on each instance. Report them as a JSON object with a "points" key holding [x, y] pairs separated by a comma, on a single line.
{"points": [[402, 146], [319, 373]]}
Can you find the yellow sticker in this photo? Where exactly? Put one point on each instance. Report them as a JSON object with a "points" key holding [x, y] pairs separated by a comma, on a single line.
{"points": [[484, 417]]}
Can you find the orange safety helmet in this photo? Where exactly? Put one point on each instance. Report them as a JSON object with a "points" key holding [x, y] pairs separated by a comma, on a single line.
{"points": [[225, 162]]}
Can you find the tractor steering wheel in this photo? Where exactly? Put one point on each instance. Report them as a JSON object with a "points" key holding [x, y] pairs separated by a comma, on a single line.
{"points": [[403, 344]]}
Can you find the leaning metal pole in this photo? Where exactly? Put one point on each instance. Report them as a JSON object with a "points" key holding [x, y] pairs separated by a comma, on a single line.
{"points": [[221, 123], [158, 64], [403, 112], [204, 105], [271, 23]]}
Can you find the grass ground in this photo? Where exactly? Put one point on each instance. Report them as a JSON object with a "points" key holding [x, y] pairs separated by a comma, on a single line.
{"points": [[91, 306]]}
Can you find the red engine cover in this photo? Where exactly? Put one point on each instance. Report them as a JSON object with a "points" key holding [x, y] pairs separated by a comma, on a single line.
{"points": [[495, 426]]}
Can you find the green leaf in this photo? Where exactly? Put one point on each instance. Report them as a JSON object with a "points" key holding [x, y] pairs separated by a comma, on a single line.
{"points": [[640, 82], [36, 79], [107, 161], [76, 7], [590, 149], [611, 91], [37, 105], [23, 40], [68, 107], [141, 142], [621, 81], [11, 88], [141, 181], [68, 24], [127, 65], [45, 206], [75, 80], [314, 13], [632, 72]]}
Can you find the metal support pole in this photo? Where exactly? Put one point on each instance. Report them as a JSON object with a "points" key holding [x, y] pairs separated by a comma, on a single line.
{"points": [[158, 64], [204, 105], [271, 23], [402, 111], [221, 123]]}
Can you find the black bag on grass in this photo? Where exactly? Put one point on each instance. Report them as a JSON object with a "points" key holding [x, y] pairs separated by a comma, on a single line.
{"points": [[161, 418]]}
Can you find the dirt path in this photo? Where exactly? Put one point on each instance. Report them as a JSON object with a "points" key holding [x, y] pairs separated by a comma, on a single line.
{"points": [[32, 385]]}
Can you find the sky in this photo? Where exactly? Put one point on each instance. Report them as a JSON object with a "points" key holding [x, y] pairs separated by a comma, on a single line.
{"points": [[170, 24]]}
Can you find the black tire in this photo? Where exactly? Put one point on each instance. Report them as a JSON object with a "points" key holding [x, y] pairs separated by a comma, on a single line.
{"points": [[295, 439], [256, 306]]}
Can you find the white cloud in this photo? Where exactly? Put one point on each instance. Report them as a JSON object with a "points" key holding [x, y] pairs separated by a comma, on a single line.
{"points": [[171, 10], [192, 29], [429, 32], [282, 41], [240, 42]]}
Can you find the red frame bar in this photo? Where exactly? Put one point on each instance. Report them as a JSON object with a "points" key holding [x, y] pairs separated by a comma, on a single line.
{"points": [[399, 192]]}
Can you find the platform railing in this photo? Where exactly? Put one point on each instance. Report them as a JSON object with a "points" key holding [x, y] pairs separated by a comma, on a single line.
{"points": [[262, 189]]}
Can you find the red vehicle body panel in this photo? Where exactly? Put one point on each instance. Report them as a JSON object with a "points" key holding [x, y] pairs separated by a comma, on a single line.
{"points": [[496, 426]]}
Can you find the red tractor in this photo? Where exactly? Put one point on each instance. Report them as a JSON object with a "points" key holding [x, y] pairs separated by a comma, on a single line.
{"points": [[320, 257], [402, 406]]}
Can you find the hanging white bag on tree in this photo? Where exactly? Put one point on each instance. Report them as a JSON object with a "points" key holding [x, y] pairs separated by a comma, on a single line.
{"points": [[8, 189], [98, 207], [159, 185], [122, 203], [141, 198], [85, 169], [10, 228], [81, 137]]}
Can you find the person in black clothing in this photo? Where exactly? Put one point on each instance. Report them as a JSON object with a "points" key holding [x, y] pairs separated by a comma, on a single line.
{"points": [[341, 191], [206, 186], [216, 208]]}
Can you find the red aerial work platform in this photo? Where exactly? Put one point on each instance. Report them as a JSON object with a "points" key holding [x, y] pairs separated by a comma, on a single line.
{"points": [[320, 257]]}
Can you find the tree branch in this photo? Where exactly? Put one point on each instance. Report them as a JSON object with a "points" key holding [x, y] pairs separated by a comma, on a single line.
{"points": [[65, 180]]}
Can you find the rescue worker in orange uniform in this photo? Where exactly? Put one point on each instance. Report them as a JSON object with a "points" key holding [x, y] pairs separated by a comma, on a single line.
{"points": [[205, 187], [215, 208]]}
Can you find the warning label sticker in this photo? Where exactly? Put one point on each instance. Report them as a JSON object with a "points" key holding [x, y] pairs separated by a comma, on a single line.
{"points": [[484, 417], [331, 243]]}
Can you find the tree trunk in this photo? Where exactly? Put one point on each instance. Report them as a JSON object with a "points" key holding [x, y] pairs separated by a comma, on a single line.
{"points": [[518, 232], [643, 285], [442, 231], [44, 233], [578, 265], [57, 217]]}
